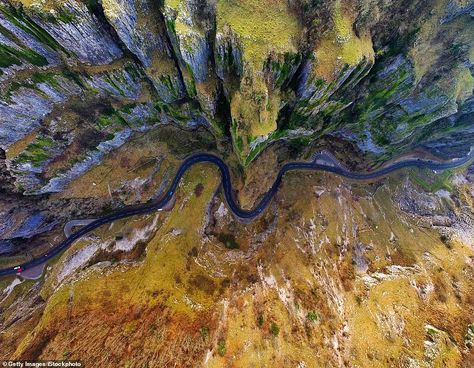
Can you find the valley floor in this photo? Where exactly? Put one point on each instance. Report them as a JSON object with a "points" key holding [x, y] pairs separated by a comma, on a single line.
{"points": [[357, 274]]}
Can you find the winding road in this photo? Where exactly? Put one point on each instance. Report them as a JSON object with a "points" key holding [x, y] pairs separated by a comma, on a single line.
{"points": [[314, 165]]}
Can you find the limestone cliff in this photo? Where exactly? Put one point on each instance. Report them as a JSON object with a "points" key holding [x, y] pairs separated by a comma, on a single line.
{"points": [[100, 101], [251, 71]]}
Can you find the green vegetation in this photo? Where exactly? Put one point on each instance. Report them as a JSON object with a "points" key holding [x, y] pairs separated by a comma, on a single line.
{"points": [[111, 118], [20, 289], [239, 143], [204, 331], [255, 152], [133, 71], [174, 111], [228, 240], [21, 20], [221, 349], [372, 111], [266, 32], [228, 62], [110, 79], [49, 78], [430, 181], [322, 112], [127, 108], [282, 71], [36, 153], [312, 316], [74, 76], [465, 85], [341, 46], [171, 25], [65, 16], [274, 329], [297, 142], [168, 83], [60, 14], [9, 35], [261, 25], [190, 83], [10, 56], [7, 58]]}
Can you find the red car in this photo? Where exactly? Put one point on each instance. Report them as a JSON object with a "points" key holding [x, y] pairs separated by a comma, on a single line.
{"points": [[18, 269]]}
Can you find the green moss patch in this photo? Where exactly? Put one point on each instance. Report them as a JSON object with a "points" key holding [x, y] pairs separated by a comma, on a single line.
{"points": [[261, 25], [38, 152], [18, 17], [12, 56]]}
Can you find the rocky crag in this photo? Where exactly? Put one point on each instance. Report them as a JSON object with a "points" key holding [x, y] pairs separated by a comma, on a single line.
{"points": [[252, 72], [100, 101]]}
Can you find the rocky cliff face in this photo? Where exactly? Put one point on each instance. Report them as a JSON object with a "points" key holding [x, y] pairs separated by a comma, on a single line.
{"points": [[101, 100], [383, 75]]}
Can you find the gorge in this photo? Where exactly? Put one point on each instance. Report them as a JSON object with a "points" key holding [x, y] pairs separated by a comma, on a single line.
{"points": [[102, 101]]}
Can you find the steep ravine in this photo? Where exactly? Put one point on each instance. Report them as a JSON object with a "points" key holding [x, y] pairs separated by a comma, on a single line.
{"points": [[253, 72], [100, 101], [80, 79]]}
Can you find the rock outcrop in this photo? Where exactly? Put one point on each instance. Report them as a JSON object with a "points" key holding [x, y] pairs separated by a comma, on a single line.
{"points": [[252, 72]]}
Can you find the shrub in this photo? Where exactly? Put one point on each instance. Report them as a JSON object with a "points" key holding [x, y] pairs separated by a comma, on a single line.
{"points": [[274, 329], [312, 316], [204, 331], [221, 348]]}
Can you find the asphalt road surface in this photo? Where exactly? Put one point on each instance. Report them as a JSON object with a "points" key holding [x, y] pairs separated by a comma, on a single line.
{"points": [[315, 165]]}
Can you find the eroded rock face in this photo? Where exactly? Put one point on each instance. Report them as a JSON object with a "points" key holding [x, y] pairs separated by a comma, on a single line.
{"points": [[101, 100], [76, 29], [141, 27], [81, 79], [255, 71]]}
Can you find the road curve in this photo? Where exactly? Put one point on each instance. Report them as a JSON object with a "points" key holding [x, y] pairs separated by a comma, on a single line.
{"points": [[228, 194]]}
